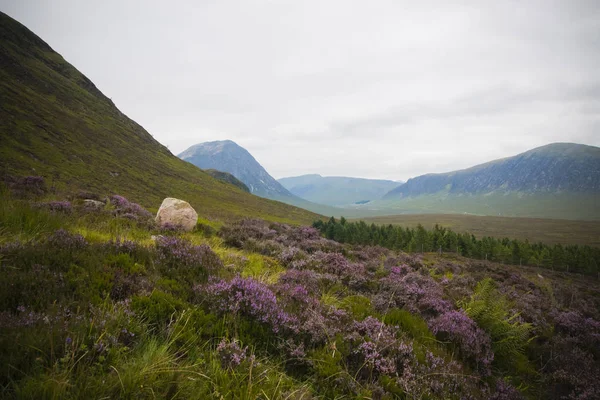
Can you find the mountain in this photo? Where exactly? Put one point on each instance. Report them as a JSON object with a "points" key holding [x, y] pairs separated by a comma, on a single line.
{"points": [[228, 156], [337, 190], [55, 123], [559, 180]]}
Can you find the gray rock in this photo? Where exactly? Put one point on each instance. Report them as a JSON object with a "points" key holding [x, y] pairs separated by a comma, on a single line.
{"points": [[178, 213], [93, 204]]}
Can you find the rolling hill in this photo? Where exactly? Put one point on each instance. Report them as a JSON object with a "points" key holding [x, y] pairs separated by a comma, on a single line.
{"points": [[337, 190], [55, 123], [559, 180]]}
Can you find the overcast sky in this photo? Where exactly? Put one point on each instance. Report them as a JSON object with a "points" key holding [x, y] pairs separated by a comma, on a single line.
{"points": [[377, 89]]}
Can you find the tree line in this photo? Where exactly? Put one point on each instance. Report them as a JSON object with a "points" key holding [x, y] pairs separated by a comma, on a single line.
{"points": [[569, 258]]}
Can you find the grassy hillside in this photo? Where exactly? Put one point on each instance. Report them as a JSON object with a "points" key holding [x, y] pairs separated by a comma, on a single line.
{"points": [[549, 231], [55, 123], [92, 307], [227, 178]]}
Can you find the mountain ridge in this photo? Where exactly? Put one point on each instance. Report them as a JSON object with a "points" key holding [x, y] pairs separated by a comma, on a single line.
{"points": [[551, 168]]}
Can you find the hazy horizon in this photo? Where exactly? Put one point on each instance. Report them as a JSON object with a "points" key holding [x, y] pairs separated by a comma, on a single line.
{"points": [[391, 90]]}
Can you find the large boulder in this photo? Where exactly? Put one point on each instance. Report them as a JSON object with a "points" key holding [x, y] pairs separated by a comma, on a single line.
{"points": [[176, 213]]}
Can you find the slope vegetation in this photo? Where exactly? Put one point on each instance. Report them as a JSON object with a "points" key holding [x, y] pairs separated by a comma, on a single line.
{"points": [[57, 124]]}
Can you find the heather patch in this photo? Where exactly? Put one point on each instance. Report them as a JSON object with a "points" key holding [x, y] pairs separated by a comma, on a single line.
{"points": [[279, 311]]}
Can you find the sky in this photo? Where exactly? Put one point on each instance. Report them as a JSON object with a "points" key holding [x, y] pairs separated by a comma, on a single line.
{"points": [[375, 89]]}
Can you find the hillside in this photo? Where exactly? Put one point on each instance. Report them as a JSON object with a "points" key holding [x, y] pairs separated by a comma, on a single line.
{"points": [[227, 178], [55, 123], [228, 156], [560, 180], [337, 190], [96, 305]]}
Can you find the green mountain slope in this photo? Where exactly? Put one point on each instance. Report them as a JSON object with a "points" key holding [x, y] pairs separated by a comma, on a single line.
{"points": [[560, 180], [227, 178], [554, 168], [337, 190], [57, 124]]}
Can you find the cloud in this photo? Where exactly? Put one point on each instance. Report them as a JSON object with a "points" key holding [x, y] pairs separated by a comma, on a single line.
{"points": [[388, 89]]}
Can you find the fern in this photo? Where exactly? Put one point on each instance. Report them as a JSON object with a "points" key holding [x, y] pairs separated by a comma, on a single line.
{"points": [[491, 310]]}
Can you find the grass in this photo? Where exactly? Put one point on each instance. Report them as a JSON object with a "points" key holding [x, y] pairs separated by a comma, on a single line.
{"points": [[549, 231], [571, 206], [166, 360], [160, 342]]}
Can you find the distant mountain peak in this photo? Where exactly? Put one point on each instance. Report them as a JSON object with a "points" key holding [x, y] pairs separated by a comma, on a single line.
{"points": [[228, 156]]}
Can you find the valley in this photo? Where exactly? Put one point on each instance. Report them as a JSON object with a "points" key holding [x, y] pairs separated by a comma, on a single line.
{"points": [[544, 230]]}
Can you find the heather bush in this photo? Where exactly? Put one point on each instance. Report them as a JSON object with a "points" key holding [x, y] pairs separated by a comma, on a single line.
{"points": [[63, 240], [573, 372], [127, 209], [245, 297], [27, 186], [376, 350], [472, 342], [265, 247], [35, 287], [235, 235], [419, 294], [57, 206], [179, 259], [314, 282], [352, 274], [231, 354], [112, 314]]}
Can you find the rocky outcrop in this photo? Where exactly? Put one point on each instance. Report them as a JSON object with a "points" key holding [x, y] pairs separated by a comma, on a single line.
{"points": [[176, 213], [90, 204]]}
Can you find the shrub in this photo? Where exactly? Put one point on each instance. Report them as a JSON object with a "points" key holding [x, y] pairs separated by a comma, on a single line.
{"points": [[472, 342], [127, 209], [27, 187], [231, 354], [64, 207], [246, 297], [185, 262]]}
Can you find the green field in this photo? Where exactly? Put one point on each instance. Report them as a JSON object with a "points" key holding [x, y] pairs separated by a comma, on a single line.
{"points": [[573, 206], [549, 231]]}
